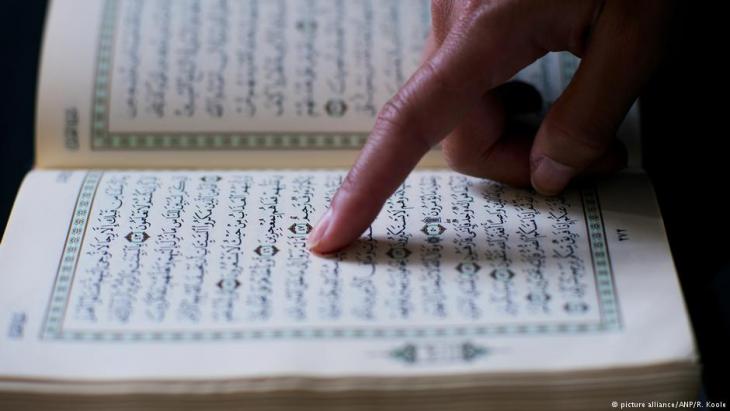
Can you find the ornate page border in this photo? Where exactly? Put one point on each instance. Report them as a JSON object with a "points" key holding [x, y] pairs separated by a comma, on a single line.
{"points": [[102, 138], [610, 318]]}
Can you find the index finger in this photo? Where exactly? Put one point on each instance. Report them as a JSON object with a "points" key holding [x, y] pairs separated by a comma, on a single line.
{"points": [[422, 113]]}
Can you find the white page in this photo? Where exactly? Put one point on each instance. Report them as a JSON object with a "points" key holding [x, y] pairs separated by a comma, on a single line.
{"points": [[457, 275], [156, 83], [238, 84]]}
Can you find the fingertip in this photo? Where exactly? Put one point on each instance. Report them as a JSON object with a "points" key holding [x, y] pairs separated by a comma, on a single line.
{"points": [[549, 177], [333, 233], [316, 241]]}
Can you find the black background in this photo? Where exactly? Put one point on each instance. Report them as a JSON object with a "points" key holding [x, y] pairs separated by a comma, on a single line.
{"points": [[684, 153]]}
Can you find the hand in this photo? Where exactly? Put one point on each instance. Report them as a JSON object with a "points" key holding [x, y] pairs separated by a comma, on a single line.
{"points": [[475, 46]]}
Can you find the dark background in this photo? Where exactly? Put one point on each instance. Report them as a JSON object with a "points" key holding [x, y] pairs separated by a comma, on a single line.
{"points": [[21, 26], [684, 153]]}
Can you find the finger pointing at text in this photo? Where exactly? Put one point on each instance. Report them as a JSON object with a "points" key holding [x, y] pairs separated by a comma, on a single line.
{"points": [[475, 47]]}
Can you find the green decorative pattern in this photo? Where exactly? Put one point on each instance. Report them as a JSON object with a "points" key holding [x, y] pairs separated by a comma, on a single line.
{"points": [[228, 141], [53, 327], [465, 352], [70, 256], [601, 261], [102, 138], [102, 76]]}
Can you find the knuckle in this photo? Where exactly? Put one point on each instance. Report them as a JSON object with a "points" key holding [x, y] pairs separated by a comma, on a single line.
{"points": [[443, 82], [392, 116], [431, 73], [396, 121]]}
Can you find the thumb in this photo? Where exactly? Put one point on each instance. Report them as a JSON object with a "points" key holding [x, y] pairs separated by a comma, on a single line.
{"points": [[580, 128]]}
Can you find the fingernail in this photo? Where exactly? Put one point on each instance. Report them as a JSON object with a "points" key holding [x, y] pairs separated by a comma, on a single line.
{"points": [[550, 177], [316, 236]]}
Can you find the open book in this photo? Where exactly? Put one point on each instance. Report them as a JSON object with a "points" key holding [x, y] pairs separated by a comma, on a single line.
{"points": [[156, 257]]}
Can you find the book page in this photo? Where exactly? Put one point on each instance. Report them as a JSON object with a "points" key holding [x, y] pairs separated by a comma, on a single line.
{"points": [[121, 275], [234, 84]]}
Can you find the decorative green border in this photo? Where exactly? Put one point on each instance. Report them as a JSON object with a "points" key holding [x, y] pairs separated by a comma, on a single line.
{"points": [[53, 326], [70, 257], [102, 138], [605, 287]]}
